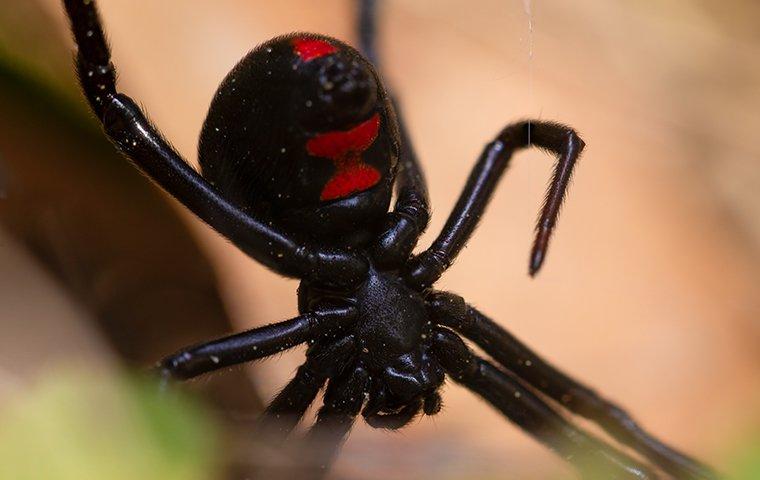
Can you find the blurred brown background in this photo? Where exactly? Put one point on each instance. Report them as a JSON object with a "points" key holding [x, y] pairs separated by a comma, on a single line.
{"points": [[650, 292]]}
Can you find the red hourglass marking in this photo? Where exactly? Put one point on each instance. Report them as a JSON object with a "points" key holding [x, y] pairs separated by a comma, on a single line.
{"points": [[345, 148]]}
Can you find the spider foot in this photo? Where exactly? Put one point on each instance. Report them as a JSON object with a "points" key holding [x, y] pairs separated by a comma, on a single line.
{"points": [[164, 376]]}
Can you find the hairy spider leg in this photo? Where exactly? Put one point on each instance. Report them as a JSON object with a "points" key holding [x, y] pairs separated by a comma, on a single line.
{"points": [[589, 455], [288, 407], [558, 139], [411, 212], [450, 310], [139, 140], [343, 400], [257, 343]]}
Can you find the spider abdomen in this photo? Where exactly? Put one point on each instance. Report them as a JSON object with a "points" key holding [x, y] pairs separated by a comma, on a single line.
{"points": [[301, 131]]}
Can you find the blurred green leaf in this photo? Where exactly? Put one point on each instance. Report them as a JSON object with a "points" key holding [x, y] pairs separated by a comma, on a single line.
{"points": [[745, 461], [80, 427]]}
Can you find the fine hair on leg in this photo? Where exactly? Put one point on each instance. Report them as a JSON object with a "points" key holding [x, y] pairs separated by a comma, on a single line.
{"points": [[451, 310], [589, 455]]}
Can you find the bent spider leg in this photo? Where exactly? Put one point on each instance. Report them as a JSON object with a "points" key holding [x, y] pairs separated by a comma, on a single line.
{"points": [[591, 456], [427, 267], [254, 344], [138, 139], [288, 407], [342, 403], [450, 310], [411, 212]]}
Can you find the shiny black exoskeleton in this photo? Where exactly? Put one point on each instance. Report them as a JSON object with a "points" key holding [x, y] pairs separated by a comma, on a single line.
{"points": [[393, 340], [300, 152]]}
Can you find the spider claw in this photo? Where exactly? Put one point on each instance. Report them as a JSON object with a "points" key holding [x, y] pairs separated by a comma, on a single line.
{"points": [[536, 261], [538, 254]]}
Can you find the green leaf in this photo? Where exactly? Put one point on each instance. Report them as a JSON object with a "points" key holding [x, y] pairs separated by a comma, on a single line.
{"points": [[78, 427]]}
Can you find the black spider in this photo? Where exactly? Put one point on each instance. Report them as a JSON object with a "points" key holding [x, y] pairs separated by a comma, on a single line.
{"points": [[299, 152]]}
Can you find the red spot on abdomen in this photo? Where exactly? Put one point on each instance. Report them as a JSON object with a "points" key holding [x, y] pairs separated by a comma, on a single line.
{"points": [[342, 143], [345, 148], [311, 48], [350, 179]]}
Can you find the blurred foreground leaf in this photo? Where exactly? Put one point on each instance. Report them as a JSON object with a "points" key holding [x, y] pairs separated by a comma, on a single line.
{"points": [[745, 461], [77, 427]]}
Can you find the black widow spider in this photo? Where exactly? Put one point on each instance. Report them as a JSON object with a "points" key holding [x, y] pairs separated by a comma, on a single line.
{"points": [[299, 152]]}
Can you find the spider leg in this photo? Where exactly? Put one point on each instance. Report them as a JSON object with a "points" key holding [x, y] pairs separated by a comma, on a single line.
{"points": [[450, 310], [427, 267], [289, 406], [138, 139], [254, 344], [592, 457], [343, 401], [367, 30], [411, 212]]}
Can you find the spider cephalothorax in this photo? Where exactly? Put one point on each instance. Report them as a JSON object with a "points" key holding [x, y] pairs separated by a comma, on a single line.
{"points": [[299, 154]]}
